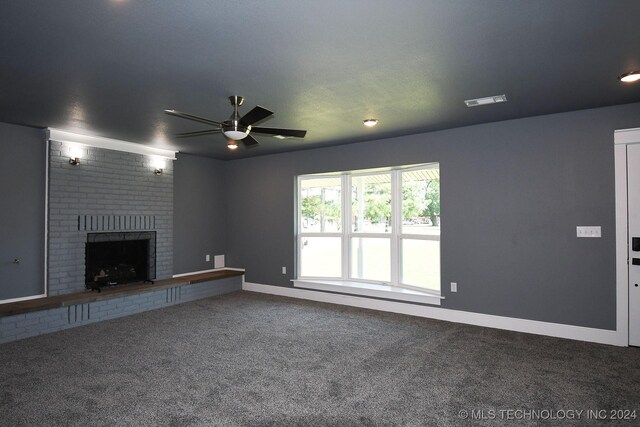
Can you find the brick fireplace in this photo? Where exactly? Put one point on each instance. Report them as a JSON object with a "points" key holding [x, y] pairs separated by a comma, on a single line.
{"points": [[108, 192], [107, 198]]}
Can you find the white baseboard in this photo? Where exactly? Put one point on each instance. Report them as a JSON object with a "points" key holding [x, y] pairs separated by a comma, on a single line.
{"points": [[6, 301], [207, 271], [558, 330]]}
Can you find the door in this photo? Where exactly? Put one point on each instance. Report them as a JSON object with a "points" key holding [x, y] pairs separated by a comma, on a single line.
{"points": [[633, 200]]}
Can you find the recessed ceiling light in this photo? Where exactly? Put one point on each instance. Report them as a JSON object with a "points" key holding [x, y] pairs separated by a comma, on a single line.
{"points": [[370, 122], [631, 77], [486, 101]]}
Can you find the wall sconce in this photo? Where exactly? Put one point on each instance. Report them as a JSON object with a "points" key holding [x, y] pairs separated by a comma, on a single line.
{"points": [[158, 165], [75, 153]]}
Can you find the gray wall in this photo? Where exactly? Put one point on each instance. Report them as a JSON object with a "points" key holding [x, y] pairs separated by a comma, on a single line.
{"points": [[107, 185], [512, 195], [22, 193], [200, 214]]}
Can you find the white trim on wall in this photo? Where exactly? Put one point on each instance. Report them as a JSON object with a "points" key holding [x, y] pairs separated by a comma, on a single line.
{"points": [[211, 270], [109, 143], [7, 301], [622, 138], [367, 289], [626, 136], [557, 330], [45, 279], [622, 268], [46, 219]]}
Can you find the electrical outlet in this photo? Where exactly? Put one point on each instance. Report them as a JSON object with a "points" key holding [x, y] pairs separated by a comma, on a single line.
{"points": [[207, 257], [454, 287], [284, 270]]}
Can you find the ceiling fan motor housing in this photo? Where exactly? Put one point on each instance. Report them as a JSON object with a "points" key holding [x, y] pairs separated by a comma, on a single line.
{"points": [[232, 128]]}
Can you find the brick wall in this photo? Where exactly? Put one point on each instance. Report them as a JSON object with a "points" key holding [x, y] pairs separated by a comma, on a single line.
{"points": [[117, 190], [41, 322]]}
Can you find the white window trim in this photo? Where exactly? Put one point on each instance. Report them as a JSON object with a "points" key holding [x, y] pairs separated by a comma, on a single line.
{"points": [[301, 235], [345, 283], [369, 289]]}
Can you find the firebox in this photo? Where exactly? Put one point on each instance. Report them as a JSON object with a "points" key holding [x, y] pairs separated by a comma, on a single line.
{"points": [[118, 258]]}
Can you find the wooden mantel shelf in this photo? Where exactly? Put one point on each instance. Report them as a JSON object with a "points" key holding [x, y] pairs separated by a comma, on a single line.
{"points": [[45, 303]]}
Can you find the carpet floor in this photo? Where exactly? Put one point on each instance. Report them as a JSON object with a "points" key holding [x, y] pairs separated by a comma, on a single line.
{"points": [[258, 360]]}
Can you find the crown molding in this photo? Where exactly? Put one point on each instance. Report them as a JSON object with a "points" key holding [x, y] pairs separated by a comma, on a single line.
{"points": [[61, 135]]}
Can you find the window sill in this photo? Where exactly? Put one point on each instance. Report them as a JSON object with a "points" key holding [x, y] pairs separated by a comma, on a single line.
{"points": [[370, 290]]}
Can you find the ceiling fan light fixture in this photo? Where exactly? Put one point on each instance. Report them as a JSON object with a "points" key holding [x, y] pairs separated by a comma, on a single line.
{"points": [[370, 122], [232, 144], [631, 77], [235, 134], [234, 130]]}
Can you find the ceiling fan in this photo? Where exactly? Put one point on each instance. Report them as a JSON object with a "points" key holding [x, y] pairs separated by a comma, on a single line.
{"points": [[237, 128]]}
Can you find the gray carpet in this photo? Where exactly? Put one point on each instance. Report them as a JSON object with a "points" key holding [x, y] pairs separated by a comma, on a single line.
{"points": [[257, 360]]}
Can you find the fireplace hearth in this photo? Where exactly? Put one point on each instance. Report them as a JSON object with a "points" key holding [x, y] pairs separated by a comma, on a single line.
{"points": [[119, 258]]}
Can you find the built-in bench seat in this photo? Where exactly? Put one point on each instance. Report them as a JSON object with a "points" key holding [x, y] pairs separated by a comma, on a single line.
{"points": [[38, 316]]}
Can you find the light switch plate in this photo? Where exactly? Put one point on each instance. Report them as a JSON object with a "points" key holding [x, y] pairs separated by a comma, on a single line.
{"points": [[589, 231], [207, 257], [454, 287]]}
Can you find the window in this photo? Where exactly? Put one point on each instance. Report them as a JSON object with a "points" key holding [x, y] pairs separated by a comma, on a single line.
{"points": [[419, 238], [320, 225], [370, 237], [379, 226]]}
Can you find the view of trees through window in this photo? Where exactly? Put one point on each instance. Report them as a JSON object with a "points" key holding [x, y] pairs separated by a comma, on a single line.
{"points": [[371, 203], [419, 240], [375, 246], [320, 204]]}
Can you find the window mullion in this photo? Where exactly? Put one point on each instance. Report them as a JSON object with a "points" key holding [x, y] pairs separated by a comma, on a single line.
{"points": [[298, 225], [396, 223], [346, 225]]}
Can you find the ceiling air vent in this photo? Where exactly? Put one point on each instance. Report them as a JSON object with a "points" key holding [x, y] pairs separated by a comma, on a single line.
{"points": [[486, 101]]}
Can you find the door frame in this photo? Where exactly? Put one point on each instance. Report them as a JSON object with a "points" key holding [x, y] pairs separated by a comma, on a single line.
{"points": [[622, 138]]}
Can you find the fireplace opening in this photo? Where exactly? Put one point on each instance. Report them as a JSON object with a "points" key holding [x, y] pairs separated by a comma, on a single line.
{"points": [[119, 258]]}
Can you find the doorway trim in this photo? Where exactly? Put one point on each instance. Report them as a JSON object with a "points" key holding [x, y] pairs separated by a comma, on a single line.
{"points": [[622, 138]]}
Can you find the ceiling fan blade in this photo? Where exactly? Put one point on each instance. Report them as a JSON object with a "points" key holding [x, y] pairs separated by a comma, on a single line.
{"points": [[255, 115], [283, 132], [195, 118], [249, 141], [197, 133]]}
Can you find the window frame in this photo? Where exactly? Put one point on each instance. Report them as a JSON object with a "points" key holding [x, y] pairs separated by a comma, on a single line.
{"points": [[300, 235], [395, 236], [401, 235]]}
